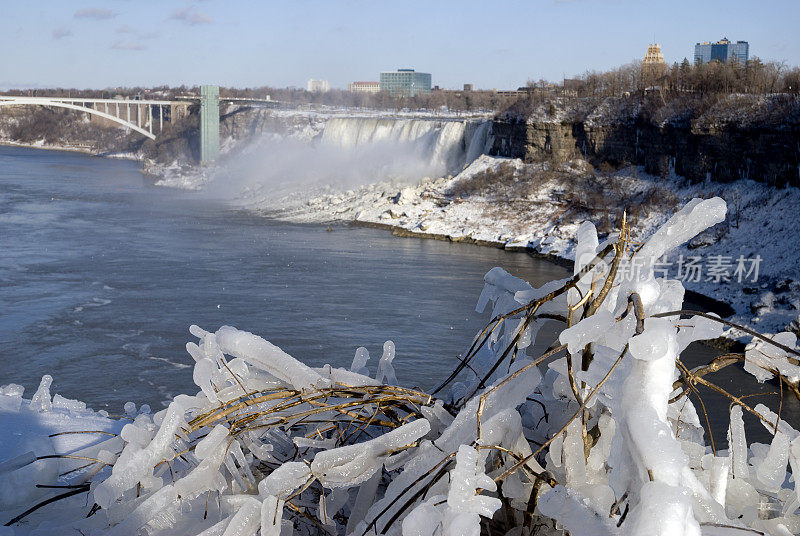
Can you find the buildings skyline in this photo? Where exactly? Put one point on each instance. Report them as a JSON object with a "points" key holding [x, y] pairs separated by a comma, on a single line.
{"points": [[405, 82], [410, 82], [723, 51]]}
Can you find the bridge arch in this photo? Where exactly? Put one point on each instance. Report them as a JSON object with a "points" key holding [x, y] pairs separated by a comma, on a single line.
{"points": [[60, 104]]}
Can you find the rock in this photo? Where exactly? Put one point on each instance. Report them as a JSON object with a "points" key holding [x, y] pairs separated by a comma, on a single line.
{"points": [[707, 238], [764, 303], [424, 225], [405, 196], [784, 285]]}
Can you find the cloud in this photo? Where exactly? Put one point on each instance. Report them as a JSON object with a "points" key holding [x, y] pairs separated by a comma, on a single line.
{"points": [[96, 13], [128, 45], [192, 17], [125, 29], [61, 33]]}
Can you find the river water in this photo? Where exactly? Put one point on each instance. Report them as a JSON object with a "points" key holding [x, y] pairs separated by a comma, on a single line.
{"points": [[101, 274]]}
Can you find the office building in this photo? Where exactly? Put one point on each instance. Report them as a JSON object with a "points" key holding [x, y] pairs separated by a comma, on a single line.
{"points": [[653, 64], [405, 82], [722, 51]]}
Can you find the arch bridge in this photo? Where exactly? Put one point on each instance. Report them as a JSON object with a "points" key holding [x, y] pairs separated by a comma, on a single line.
{"points": [[143, 115], [137, 115]]}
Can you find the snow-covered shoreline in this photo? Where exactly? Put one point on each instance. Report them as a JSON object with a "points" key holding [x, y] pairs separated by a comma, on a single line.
{"points": [[544, 224], [69, 149]]}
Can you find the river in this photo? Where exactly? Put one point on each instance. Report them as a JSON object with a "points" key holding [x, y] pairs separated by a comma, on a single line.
{"points": [[101, 274]]}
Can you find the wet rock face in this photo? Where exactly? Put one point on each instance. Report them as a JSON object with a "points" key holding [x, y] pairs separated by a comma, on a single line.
{"points": [[699, 150]]}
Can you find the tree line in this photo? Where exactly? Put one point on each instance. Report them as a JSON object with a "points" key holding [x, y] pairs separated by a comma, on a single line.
{"points": [[752, 77]]}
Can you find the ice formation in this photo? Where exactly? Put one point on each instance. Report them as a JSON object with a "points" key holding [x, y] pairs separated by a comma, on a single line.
{"points": [[447, 145], [593, 437]]}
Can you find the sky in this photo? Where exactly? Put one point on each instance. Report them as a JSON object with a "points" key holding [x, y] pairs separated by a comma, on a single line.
{"points": [[499, 44]]}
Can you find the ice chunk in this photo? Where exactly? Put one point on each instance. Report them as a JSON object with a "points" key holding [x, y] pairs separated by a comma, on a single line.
{"points": [[771, 472], [364, 498], [161, 499], [12, 389], [718, 478], [794, 462], [204, 477], [59, 402], [464, 506], [601, 450], [737, 442], [574, 461], [663, 510], [424, 520], [41, 401], [284, 480], [17, 462], [204, 370], [197, 331], [761, 358], [271, 516], [138, 436], [136, 464], [587, 330], [694, 218], [330, 504], [265, 355], [247, 519], [211, 442], [654, 342], [385, 371], [359, 365], [567, 506], [353, 464]]}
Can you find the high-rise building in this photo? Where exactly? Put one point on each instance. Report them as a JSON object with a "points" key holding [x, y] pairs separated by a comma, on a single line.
{"points": [[722, 51], [364, 87], [653, 64], [318, 86], [405, 82]]}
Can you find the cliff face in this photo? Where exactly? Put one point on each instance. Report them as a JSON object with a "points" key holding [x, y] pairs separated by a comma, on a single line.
{"points": [[756, 140]]}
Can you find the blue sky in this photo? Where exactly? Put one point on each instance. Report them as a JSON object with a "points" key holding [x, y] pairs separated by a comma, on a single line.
{"points": [[499, 44]]}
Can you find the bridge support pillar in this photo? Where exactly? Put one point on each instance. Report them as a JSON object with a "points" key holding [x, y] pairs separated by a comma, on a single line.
{"points": [[209, 124]]}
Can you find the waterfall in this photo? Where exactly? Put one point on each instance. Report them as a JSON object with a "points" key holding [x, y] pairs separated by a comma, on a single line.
{"points": [[348, 152], [444, 146]]}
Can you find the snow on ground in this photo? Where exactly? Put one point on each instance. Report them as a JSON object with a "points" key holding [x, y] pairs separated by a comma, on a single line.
{"points": [[32, 431], [760, 220]]}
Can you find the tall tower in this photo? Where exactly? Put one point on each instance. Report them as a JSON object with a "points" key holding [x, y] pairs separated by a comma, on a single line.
{"points": [[209, 124], [653, 64]]}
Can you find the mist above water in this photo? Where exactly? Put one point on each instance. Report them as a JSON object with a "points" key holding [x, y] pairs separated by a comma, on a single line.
{"points": [[350, 152]]}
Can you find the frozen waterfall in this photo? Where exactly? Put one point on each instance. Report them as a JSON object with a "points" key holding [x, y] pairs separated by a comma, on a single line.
{"points": [[445, 146], [349, 152]]}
